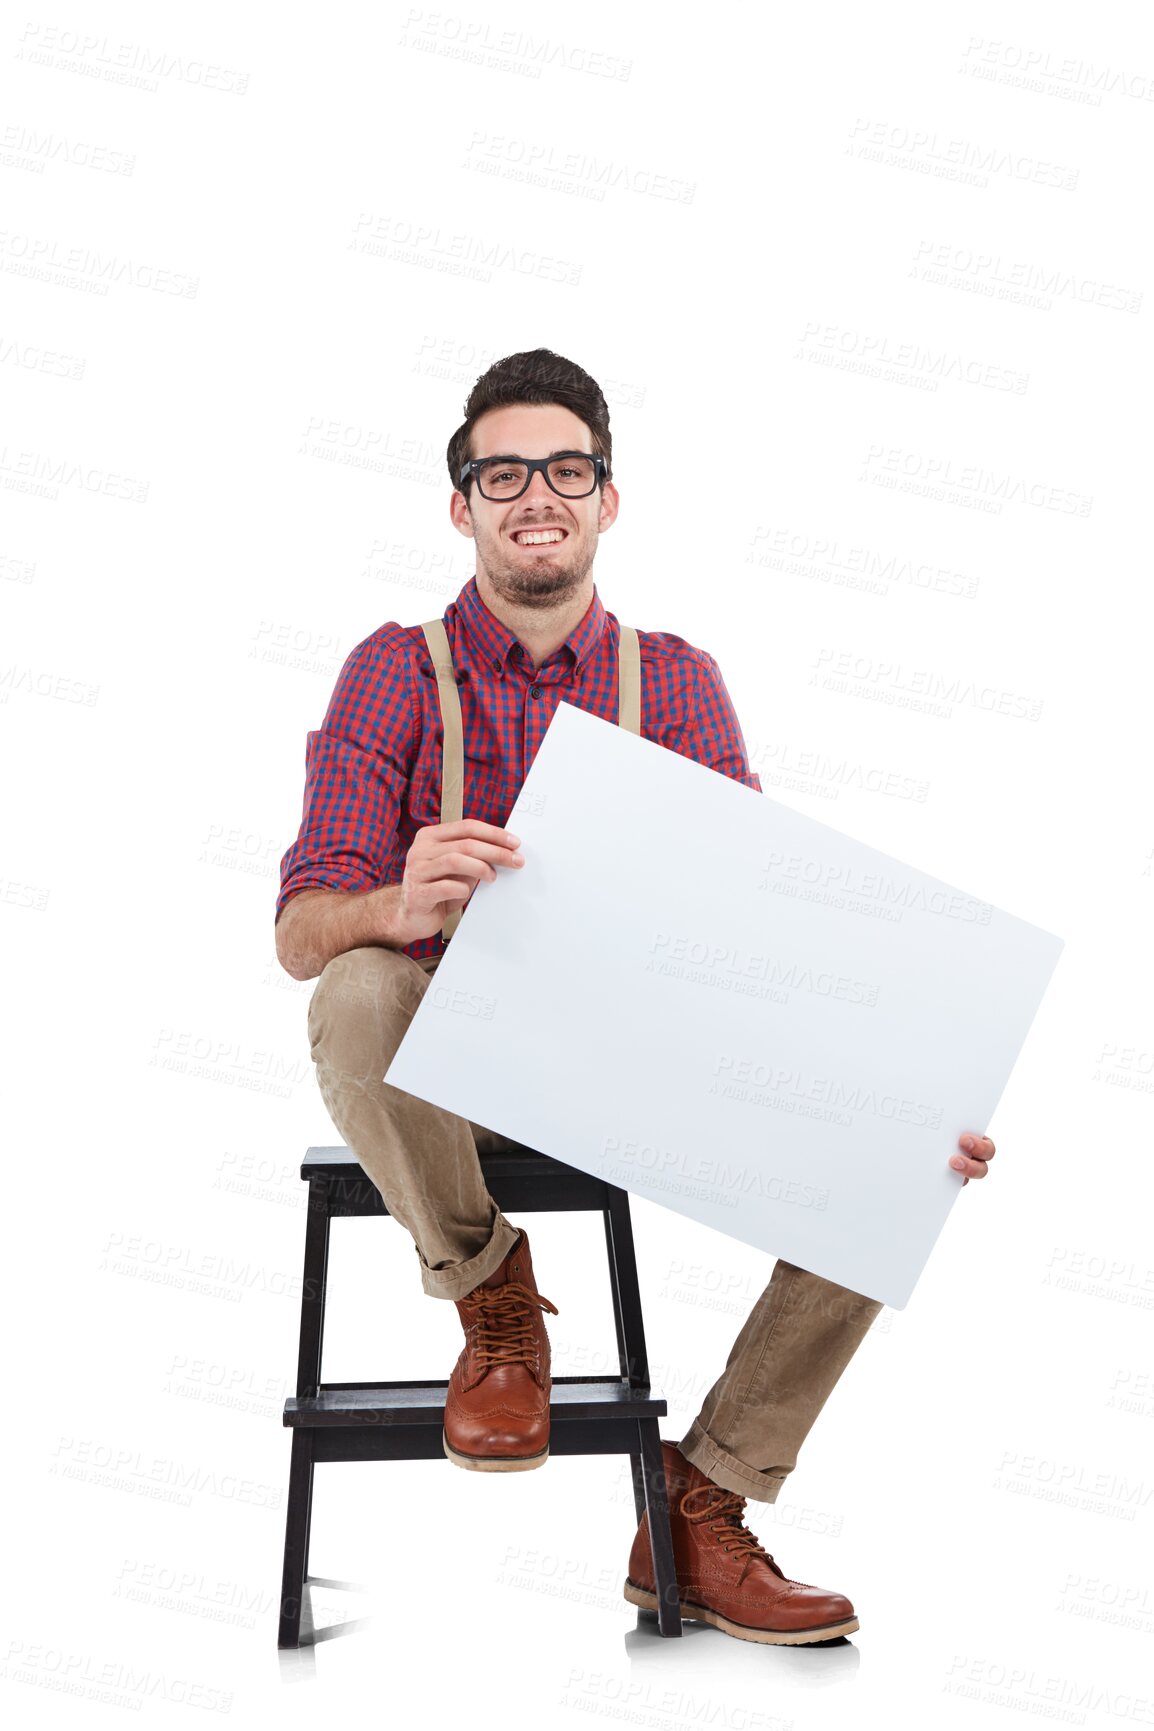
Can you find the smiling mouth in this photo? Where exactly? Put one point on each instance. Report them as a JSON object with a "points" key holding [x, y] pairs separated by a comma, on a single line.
{"points": [[551, 537]]}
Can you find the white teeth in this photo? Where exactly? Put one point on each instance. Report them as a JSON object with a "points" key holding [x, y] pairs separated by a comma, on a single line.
{"points": [[534, 537]]}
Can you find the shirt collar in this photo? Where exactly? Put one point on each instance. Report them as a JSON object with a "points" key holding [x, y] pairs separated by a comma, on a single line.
{"points": [[494, 641]]}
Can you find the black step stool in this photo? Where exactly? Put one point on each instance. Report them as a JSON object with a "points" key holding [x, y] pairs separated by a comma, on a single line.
{"points": [[375, 1421]]}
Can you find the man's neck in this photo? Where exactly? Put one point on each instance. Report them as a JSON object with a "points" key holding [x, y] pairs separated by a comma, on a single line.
{"points": [[539, 631]]}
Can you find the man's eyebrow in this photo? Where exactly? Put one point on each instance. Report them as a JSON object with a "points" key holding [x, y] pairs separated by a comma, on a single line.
{"points": [[516, 457]]}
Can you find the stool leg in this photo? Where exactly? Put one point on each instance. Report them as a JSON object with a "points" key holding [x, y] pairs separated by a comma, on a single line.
{"points": [[313, 1282], [660, 1537], [638, 1483], [298, 1516], [298, 1519], [623, 1285]]}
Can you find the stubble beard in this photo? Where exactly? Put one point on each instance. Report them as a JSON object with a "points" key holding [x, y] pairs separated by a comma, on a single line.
{"points": [[541, 582]]}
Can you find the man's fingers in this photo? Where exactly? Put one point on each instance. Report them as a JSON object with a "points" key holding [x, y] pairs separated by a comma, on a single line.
{"points": [[475, 829], [448, 891], [976, 1152], [430, 868], [438, 856]]}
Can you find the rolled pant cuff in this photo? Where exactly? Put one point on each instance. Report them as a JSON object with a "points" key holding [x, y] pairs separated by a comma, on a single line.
{"points": [[462, 1277], [726, 1470]]}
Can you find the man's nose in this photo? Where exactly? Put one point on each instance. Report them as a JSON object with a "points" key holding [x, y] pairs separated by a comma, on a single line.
{"points": [[538, 491]]}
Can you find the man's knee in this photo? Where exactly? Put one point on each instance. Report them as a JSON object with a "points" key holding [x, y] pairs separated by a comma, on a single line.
{"points": [[813, 1295], [361, 1007]]}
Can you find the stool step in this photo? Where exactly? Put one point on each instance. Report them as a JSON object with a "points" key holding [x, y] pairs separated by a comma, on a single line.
{"points": [[578, 1399]]}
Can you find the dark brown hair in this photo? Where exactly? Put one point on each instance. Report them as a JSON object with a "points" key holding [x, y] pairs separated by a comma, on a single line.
{"points": [[535, 376]]}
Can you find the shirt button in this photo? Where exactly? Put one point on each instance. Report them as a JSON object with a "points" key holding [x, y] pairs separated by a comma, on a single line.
{"points": [[496, 667], [534, 691]]}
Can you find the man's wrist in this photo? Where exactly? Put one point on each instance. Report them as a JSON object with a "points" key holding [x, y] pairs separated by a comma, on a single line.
{"points": [[387, 916]]}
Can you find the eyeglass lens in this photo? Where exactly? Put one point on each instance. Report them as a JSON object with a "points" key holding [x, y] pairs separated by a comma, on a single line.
{"points": [[572, 475]]}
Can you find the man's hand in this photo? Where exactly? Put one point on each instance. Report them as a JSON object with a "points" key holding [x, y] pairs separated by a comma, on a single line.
{"points": [[444, 866], [977, 1152]]}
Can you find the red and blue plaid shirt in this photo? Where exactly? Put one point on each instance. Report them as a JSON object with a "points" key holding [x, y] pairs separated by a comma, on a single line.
{"points": [[373, 768]]}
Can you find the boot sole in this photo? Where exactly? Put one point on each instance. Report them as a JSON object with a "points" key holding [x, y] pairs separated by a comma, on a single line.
{"points": [[647, 1601], [494, 1463]]}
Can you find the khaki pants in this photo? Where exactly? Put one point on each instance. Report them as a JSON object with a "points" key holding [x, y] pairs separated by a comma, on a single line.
{"points": [[799, 1337]]}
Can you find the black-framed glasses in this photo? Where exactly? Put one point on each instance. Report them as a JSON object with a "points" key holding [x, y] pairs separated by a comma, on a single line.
{"points": [[571, 474]]}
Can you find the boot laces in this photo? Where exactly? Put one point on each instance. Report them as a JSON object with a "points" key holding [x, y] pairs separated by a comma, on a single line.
{"points": [[505, 1321], [723, 1512]]}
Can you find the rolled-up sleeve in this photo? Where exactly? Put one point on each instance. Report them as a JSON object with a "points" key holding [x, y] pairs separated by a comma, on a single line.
{"points": [[357, 768], [712, 735]]}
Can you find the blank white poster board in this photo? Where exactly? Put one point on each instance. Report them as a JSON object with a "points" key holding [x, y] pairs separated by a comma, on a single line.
{"points": [[701, 995]]}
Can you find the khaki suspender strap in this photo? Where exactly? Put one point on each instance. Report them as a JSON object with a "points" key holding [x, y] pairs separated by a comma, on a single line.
{"points": [[453, 758], [453, 761], [629, 681]]}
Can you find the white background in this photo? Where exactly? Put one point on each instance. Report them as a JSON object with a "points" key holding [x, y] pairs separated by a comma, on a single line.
{"points": [[223, 430]]}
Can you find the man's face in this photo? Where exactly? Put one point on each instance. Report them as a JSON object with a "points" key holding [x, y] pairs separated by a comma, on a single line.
{"points": [[550, 572]]}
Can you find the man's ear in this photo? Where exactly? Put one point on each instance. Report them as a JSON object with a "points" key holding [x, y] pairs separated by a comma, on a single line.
{"points": [[610, 501], [460, 514]]}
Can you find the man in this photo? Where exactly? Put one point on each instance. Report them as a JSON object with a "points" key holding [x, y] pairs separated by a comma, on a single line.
{"points": [[374, 884]]}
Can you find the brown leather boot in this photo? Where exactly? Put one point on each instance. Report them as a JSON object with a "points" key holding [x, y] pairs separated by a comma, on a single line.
{"points": [[497, 1404], [725, 1577]]}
